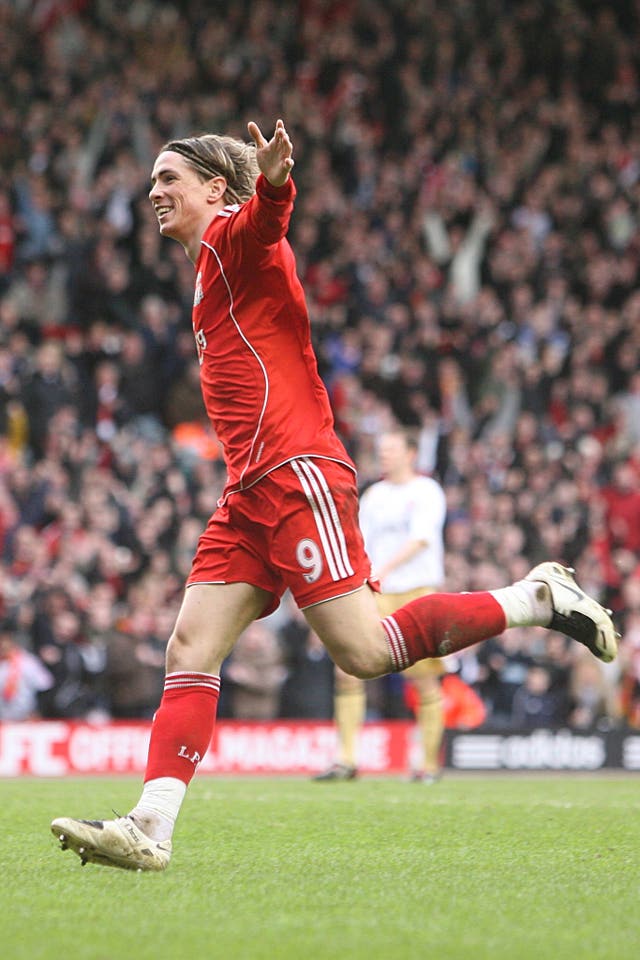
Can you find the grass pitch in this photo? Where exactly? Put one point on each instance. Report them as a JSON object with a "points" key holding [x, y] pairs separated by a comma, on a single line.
{"points": [[474, 867]]}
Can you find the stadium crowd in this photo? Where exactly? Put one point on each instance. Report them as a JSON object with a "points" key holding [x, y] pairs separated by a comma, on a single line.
{"points": [[467, 232]]}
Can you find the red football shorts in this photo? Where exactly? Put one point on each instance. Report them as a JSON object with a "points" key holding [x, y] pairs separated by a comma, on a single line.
{"points": [[297, 528]]}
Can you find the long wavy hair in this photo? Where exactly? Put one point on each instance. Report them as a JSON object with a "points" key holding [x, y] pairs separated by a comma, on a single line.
{"points": [[211, 155]]}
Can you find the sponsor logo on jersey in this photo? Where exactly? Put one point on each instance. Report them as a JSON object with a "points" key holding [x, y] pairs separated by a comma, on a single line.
{"points": [[201, 344], [198, 295]]}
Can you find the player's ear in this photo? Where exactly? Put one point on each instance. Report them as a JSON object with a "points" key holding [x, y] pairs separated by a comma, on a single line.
{"points": [[217, 187]]}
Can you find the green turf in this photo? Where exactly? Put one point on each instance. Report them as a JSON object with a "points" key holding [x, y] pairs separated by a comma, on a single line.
{"points": [[474, 867]]}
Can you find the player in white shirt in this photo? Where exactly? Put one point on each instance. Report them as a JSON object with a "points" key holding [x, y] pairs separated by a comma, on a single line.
{"points": [[402, 519]]}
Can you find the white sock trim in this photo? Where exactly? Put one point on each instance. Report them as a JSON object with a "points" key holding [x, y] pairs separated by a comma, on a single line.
{"points": [[163, 797], [198, 681], [524, 604]]}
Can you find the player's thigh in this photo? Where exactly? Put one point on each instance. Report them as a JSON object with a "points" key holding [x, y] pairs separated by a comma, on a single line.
{"points": [[211, 618], [350, 628]]}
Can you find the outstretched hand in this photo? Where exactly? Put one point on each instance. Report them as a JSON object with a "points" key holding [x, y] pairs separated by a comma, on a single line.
{"points": [[273, 156]]}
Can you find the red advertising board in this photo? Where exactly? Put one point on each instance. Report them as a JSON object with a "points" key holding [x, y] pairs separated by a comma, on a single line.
{"points": [[58, 748]]}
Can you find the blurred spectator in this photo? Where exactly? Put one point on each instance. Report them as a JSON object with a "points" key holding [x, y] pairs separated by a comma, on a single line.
{"points": [[50, 388], [77, 666], [630, 655], [535, 703], [23, 677], [134, 658], [307, 691], [7, 238], [255, 672], [592, 698], [505, 663], [622, 500]]}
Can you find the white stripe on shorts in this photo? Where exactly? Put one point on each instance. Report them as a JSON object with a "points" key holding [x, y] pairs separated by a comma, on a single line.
{"points": [[318, 493]]}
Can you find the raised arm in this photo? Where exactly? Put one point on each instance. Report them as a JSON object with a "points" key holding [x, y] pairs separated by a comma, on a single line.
{"points": [[274, 156]]}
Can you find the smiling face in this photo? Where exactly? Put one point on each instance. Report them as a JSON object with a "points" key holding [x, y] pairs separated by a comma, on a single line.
{"points": [[183, 202]]}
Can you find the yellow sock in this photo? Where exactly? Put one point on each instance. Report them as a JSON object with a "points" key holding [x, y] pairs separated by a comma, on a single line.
{"points": [[349, 712], [431, 726]]}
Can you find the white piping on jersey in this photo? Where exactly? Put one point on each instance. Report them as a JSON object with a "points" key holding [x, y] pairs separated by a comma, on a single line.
{"points": [[328, 524], [253, 351], [229, 209]]}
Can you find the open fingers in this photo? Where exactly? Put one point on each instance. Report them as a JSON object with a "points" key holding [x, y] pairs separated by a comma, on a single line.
{"points": [[280, 135], [256, 134]]}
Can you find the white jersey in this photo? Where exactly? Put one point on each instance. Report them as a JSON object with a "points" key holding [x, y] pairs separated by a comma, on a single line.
{"points": [[21, 678], [392, 514]]}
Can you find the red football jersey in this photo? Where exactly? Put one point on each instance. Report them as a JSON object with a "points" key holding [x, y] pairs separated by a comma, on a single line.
{"points": [[258, 371]]}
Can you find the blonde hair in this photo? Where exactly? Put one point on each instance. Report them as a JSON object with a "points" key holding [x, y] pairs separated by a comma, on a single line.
{"points": [[212, 155]]}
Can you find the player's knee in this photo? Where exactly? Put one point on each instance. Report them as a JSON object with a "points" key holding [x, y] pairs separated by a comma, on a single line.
{"points": [[195, 649], [362, 664], [181, 650], [427, 686]]}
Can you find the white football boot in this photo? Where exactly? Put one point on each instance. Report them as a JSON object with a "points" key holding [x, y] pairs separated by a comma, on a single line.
{"points": [[575, 613], [112, 843]]}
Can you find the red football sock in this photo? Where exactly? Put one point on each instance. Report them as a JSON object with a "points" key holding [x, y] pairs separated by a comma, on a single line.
{"points": [[441, 623], [183, 725]]}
